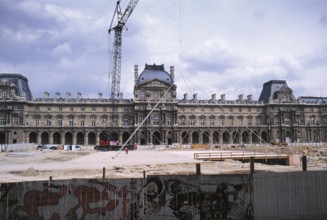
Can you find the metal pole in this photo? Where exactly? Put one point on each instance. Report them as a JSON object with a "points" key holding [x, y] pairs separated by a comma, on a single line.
{"points": [[251, 165], [103, 173], [198, 169], [304, 163]]}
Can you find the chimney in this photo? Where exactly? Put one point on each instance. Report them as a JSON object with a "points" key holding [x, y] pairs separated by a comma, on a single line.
{"points": [[185, 96], [222, 97], [100, 95], [46, 95], [79, 95], [136, 73], [240, 97], [195, 96], [120, 95], [249, 97], [57, 95], [213, 96], [172, 72], [68, 95]]}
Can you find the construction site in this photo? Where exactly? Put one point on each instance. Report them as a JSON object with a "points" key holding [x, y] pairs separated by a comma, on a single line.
{"points": [[32, 165]]}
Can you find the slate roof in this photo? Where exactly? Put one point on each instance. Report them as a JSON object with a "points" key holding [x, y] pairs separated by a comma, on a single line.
{"points": [[269, 88], [152, 72], [20, 82]]}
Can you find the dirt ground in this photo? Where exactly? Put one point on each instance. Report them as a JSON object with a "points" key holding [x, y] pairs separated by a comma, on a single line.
{"points": [[59, 164]]}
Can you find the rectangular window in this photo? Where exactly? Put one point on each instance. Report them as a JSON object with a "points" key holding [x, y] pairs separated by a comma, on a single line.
{"points": [[59, 121], [4, 94], [125, 109], [240, 121], [212, 121], [37, 108], [60, 108], [49, 109], [258, 109], [82, 122], [142, 95], [182, 121], [71, 109], [71, 121], [104, 109], [93, 109], [170, 120], [240, 109], [114, 109], [155, 95], [192, 110], [104, 121], [192, 121], [258, 121], [231, 122], [93, 121], [312, 120], [114, 122], [211, 109], [125, 122], [201, 121], [325, 121], [82, 109], [202, 109], [37, 121], [168, 96], [249, 121], [182, 110], [2, 119], [221, 109], [222, 121], [156, 120], [231, 109], [49, 121], [15, 120]]}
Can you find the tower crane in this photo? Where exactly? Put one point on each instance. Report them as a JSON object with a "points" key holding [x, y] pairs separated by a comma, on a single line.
{"points": [[117, 45]]}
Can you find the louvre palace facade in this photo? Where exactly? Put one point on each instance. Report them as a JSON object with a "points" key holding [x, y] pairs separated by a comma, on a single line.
{"points": [[276, 116]]}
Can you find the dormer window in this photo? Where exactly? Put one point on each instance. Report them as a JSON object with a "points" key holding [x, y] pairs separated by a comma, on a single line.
{"points": [[155, 95], [4, 94], [284, 98], [142, 95]]}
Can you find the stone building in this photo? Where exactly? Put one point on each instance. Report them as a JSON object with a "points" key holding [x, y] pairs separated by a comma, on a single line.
{"points": [[276, 116]]}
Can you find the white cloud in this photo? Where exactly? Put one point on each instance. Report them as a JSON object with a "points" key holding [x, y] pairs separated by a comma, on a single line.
{"points": [[223, 46]]}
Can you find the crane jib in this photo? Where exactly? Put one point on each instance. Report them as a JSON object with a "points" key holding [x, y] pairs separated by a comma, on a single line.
{"points": [[116, 64]]}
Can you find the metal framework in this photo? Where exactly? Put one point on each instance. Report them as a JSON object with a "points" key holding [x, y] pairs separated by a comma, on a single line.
{"points": [[116, 66]]}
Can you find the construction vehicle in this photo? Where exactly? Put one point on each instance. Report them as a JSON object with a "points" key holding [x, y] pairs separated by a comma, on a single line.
{"points": [[111, 146]]}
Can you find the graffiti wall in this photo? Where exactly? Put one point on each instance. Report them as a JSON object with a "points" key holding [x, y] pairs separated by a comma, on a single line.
{"points": [[156, 197]]}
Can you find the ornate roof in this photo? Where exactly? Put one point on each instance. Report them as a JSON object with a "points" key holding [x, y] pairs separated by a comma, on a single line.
{"points": [[21, 84], [270, 88], [152, 72]]}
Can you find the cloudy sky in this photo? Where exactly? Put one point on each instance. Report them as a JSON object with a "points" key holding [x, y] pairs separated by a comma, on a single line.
{"points": [[216, 46]]}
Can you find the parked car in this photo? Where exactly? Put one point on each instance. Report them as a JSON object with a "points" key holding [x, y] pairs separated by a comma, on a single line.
{"points": [[42, 147], [53, 148]]}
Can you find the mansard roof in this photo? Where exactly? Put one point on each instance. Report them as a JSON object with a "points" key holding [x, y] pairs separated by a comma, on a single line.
{"points": [[152, 72], [20, 82], [270, 88]]}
